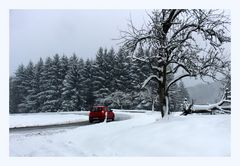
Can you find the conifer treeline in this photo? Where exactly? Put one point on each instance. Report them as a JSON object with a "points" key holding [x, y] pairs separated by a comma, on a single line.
{"points": [[65, 83]]}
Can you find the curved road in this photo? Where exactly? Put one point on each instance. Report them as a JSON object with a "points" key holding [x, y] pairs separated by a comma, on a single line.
{"points": [[119, 117]]}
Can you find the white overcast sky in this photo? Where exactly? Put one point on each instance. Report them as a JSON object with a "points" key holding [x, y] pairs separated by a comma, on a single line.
{"points": [[42, 33]]}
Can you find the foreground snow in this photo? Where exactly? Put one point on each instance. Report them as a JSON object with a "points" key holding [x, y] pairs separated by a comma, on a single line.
{"points": [[43, 119], [144, 134]]}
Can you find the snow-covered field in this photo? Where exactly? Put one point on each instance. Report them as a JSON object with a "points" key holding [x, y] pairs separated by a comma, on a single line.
{"points": [[144, 134], [43, 119]]}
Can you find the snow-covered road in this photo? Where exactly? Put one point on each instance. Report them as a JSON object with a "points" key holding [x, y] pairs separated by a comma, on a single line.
{"points": [[144, 134]]}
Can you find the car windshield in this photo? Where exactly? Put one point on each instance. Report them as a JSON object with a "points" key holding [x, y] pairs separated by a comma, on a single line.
{"points": [[97, 109]]}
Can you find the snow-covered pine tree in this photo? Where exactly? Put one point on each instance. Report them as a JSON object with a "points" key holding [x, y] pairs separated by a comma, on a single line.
{"points": [[18, 92], [101, 77], [63, 67], [121, 77], [109, 68], [119, 100], [45, 83], [27, 88], [183, 92], [12, 100], [175, 99], [81, 87], [88, 84], [121, 81], [72, 92], [150, 96], [20, 76], [139, 72], [150, 91], [52, 85], [14, 95], [33, 99]]}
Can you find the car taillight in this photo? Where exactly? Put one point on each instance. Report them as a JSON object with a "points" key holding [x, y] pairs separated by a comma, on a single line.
{"points": [[103, 112]]}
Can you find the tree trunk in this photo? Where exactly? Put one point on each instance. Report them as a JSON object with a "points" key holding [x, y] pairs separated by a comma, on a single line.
{"points": [[161, 98], [153, 103], [161, 92]]}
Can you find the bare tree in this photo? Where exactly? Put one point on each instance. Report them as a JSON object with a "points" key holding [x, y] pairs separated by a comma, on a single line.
{"points": [[191, 41]]}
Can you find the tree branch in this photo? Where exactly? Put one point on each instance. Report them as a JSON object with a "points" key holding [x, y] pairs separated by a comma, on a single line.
{"points": [[150, 78], [176, 79]]}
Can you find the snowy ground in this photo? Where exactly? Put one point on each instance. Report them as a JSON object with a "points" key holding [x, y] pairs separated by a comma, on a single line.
{"points": [[144, 134], [43, 119]]}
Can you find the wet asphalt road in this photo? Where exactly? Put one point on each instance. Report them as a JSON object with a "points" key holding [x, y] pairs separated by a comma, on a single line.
{"points": [[119, 117], [56, 126]]}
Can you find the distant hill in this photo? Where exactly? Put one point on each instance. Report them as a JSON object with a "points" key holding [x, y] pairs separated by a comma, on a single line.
{"points": [[205, 93]]}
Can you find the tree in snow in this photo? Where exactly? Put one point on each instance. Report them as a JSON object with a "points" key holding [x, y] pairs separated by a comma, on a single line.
{"points": [[102, 78], [226, 81], [64, 66], [142, 97], [150, 96], [118, 99], [88, 74], [51, 85], [24, 88], [182, 93], [191, 41], [73, 88], [225, 89], [26, 84], [121, 74], [120, 81], [17, 90], [14, 95], [109, 68], [45, 83], [175, 98], [33, 99]]}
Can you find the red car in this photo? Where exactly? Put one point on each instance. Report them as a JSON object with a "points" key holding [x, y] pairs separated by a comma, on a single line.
{"points": [[98, 113]]}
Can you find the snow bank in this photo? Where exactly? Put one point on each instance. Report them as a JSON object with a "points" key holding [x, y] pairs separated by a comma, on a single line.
{"points": [[201, 107], [144, 134], [131, 111], [43, 119]]}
